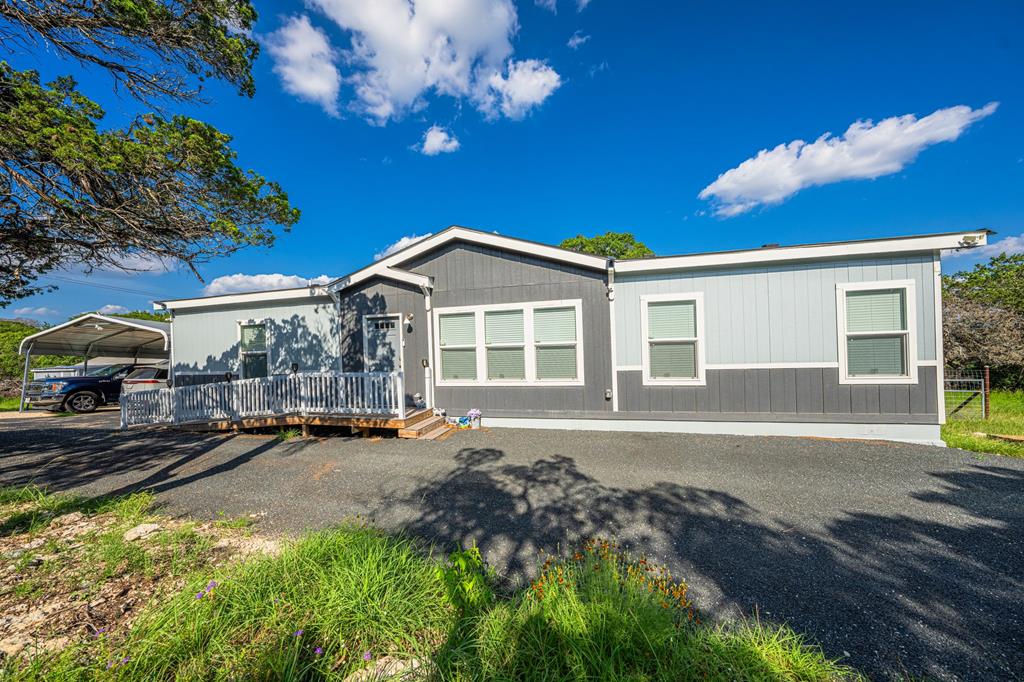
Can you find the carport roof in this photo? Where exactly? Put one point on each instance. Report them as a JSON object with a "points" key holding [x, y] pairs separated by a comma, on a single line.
{"points": [[96, 334]]}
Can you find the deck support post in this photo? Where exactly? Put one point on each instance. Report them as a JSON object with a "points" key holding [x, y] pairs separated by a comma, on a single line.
{"points": [[305, 429]]}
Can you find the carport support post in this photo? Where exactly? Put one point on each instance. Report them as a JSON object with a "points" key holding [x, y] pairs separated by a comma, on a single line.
{"points": [[24, 378]]}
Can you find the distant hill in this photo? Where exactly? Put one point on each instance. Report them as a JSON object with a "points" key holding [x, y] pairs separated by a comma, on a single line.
{"points": [[28, 322]]}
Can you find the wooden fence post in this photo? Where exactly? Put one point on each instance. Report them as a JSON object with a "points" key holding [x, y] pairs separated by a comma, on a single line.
{"points": [[988, 390]]}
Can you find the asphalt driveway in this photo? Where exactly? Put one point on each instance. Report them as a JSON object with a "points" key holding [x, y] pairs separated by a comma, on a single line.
{"points": [[899, 558]]}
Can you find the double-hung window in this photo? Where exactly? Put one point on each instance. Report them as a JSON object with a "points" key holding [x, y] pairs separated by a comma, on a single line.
{"points": [[876, 323], [672, 328], [253, 349], [457, 336], [534, 343]]}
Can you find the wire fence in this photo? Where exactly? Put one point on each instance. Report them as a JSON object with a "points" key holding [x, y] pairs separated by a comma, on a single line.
{"points": [[965, 393]]}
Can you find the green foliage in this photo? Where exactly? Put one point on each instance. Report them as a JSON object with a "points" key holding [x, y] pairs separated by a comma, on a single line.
{"points": [[11, 364], [983, 319], [468, 580], [152, 48], [166, 187], [616, 245], [999, 282], [1006, 417], [152, 315], [288, 434], [326, 602]]}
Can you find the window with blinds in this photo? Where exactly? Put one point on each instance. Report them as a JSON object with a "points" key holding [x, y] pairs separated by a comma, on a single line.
{"points": [[672, 340], [531, 343], [505, 345], [554, 336], [457, 337], [253, 350], [877, 333]]}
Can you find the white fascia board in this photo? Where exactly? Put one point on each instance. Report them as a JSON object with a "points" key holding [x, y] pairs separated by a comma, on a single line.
{"points": [[874, 247], [92, 316], [250, 297], [380, 270]]}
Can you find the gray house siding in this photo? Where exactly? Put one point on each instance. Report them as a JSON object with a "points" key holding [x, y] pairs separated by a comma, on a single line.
{"points": [[205, 341], [781, 313], [782, 395], [380, 297], [467, 274]]}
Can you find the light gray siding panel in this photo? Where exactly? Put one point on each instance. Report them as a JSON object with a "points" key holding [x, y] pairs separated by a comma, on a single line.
{"points": [[469, 274], [306, 333], [778, 314], [805, 394]]}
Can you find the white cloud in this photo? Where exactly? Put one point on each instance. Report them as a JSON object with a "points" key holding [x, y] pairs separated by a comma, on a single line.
{"points": [[239, 283], [865, 151], [526, 86], [404, 50], [112, 310], [305, 62], [581, 5], [1009, 245], [400, 244], [41, 311], [576, 40], [437, 140], [549, 5]]}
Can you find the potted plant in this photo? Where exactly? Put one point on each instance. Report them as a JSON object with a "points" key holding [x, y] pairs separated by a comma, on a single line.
{"points": [[474, 418]]}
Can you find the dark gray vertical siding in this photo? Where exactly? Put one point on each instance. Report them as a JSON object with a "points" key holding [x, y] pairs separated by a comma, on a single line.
{"points": [[468, 274], [382, 297], [786, 394]]}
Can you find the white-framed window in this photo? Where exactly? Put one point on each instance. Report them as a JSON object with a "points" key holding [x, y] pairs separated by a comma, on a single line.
{"points": [[514, 344], [672, 326], [877, 324], [253, 349]]}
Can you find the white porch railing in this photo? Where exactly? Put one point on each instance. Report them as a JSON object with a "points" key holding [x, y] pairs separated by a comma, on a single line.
{"points": [[307, 394]]}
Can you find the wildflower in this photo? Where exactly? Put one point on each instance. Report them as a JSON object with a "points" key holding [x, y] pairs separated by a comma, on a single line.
{"points": [[367, 656], [319, 651], [200, 595], [298, 633], [210, 585]]}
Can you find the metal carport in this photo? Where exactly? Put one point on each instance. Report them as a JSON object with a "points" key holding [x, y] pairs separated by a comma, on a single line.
{"points": [[96, 335]]}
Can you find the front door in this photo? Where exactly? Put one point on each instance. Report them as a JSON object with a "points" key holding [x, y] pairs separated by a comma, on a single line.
{"points": [[382, 343]]}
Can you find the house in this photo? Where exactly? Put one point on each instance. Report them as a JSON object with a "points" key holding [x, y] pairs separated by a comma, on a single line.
{"points": [[839, 339]]}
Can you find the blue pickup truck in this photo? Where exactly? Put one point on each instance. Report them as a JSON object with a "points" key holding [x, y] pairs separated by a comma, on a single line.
{"points": [[80, 394]]}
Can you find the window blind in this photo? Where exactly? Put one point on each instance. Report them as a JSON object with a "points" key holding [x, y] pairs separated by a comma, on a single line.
{"points": [[506, 363], [458, 364], [673, 360], [254, 365], [458, 329], [254, 338], [875, 355], [503, 326], [554, 325], [876, 311], [556, 362], [672, 320]]}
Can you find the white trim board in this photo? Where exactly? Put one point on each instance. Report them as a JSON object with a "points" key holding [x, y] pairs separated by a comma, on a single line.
{"points": [[923, 434], [909, 287], [869, 247], [234, 299], [529, 344], [645, 349]]}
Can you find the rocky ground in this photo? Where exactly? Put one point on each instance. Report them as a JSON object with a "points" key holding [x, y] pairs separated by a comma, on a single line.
{"points": [[68, 574]]}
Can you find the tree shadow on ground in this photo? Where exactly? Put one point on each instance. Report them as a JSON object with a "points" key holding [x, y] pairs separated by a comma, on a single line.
{"points": [[896, 593]]}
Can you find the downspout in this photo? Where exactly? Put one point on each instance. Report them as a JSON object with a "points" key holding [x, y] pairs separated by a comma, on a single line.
{"points": [[612, 340], [428, 371], [24, 378]]}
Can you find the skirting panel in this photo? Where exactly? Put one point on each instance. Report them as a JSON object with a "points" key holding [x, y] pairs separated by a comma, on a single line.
{"points": [[924, 434]]}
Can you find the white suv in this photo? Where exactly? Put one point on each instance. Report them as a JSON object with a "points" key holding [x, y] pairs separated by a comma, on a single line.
{"points": [[145, 379]]}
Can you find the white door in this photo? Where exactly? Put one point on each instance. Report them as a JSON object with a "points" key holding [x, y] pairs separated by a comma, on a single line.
{"points": [[382, 343]]}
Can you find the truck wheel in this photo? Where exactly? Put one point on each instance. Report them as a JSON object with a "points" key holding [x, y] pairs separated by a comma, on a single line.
{"points": [[81, 402]]}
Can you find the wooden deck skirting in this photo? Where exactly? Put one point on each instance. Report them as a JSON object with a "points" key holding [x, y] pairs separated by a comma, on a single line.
{"points": [[361, 421]]}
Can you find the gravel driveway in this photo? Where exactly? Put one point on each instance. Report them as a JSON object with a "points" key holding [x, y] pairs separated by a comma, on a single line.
{"points": [[898, 558]]}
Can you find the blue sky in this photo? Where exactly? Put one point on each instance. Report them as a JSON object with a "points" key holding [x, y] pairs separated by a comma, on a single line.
{"points": [[623, 129]]}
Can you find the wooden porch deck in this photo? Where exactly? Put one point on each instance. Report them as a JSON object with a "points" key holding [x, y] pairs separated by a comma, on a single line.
{"points": [[420, 424]]}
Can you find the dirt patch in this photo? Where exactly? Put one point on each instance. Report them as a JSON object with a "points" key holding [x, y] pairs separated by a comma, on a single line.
{"points": [[84, 575]]}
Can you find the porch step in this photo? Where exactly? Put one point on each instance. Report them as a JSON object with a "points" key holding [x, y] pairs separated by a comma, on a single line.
{"points": [[439, 433], [421, 427]]}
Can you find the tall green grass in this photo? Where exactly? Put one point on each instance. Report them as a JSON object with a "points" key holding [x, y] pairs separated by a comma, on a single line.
{"points": [[336, 598], [1006, 416]]}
